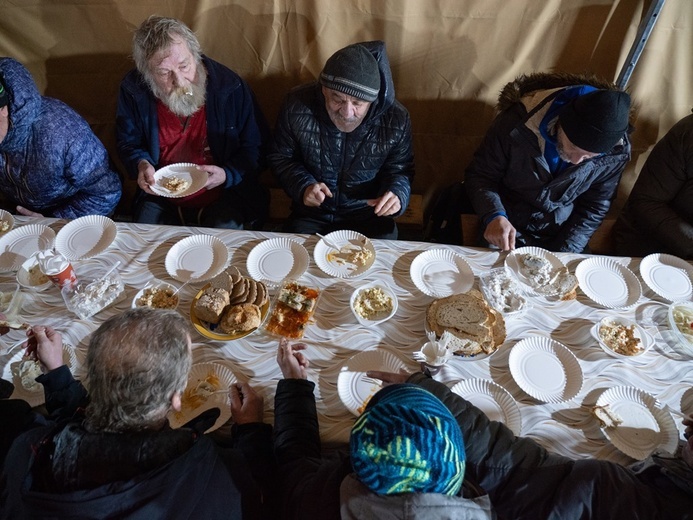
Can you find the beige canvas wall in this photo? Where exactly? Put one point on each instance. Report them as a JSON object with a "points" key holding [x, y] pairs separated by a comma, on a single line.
{"points": [[449, 57]]}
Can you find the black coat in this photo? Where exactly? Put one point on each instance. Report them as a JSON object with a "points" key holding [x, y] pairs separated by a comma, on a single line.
{"points": [[363, 164]]}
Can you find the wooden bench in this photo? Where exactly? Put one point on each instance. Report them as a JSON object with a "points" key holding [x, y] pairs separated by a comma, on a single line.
{"points": [[599, 244], [410, 221]]}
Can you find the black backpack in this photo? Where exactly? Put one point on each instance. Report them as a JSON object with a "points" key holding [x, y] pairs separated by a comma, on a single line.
{"points": [[444, 225]]}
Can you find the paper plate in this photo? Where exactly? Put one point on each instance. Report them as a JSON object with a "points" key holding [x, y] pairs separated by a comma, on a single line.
{"points": [[668, 275], [184, 171], [354, 387], [441, 272], [514, 263], [198, 257], [6, 220], [608, 283], [341, 263], [492, 399], [191, 409], [644, 428], [28, 282], [545, 369], [210, 330], [272, 261], [85, 237], [36, 396], [22, 242]]}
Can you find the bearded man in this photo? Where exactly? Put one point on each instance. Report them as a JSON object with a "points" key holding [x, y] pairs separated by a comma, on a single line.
{"points": [[179, 106]]}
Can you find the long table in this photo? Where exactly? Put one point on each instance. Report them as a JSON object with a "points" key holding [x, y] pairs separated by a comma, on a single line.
{"points": [[335, 336]]}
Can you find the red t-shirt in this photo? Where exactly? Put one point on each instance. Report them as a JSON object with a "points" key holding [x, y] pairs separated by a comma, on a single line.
{"points": [[184, 139]]}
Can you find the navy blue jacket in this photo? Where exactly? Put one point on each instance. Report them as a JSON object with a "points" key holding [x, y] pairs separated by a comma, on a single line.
{"points": [[50, 160]]}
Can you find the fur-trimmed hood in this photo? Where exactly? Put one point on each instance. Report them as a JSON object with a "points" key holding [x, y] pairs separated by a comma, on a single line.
{"points": [[526, 84]]}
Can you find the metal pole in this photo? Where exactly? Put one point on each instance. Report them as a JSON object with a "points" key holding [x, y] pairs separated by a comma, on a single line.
{"points": [[636, 49]]}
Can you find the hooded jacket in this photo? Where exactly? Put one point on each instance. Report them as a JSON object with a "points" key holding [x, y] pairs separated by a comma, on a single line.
{"points": [[363, 164], [50, 160], [64, 471], [510, 175], [658, 216]]}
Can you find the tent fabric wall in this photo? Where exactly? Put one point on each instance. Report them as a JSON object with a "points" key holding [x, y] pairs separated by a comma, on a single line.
{"points": [[450, 58]]}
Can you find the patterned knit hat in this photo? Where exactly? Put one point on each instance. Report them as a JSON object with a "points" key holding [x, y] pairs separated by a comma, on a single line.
{"points": [[4, 98], [354, 71], [596, 121], [407, 441]]}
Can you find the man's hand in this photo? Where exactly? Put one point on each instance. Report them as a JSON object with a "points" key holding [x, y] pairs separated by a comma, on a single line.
{"points": [[216, 175], [46, 344], [145, 176], [389, 378], [500, 233], [387, 204], [315, 194], [27, 213], [246, 404], [292, 362]]}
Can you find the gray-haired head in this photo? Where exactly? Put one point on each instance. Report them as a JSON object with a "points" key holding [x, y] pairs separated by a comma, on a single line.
{"points": [[157, 33], [136, 362]]}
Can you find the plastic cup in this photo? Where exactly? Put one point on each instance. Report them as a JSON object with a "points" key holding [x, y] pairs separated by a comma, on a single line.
{"points": [[65, 278]]}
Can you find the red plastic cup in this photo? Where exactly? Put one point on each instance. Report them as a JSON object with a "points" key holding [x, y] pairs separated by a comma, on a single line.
{"points": [[65, 278]]}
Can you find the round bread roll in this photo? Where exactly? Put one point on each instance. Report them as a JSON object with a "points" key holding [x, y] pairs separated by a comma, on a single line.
{"points": [[240, 318]]}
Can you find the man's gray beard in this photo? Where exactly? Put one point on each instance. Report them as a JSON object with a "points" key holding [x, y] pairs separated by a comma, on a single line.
{"points": [[180, 103]]}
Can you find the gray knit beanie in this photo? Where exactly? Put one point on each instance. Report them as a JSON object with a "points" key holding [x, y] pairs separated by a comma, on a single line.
{"points": [[354, 71]]}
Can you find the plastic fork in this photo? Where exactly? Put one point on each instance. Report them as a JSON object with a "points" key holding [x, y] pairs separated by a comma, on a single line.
{"points": [[329, 242]]}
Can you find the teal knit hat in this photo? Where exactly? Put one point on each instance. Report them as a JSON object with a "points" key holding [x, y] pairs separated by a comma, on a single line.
{"points": [[407, 441]]}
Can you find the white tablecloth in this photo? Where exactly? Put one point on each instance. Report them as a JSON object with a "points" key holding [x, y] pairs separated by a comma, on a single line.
{"points": [[335, 336]]}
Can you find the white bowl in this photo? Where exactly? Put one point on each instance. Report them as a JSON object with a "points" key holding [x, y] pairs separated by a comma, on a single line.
{"points": [[679, 311], [6, 216], [30, 282], [646, 339], [379, 317], [153, 287]]}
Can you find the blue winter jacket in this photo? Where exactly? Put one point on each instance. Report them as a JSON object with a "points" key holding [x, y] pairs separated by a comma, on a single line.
{"points": [[50, 160], [363, 164], [236, 128]]}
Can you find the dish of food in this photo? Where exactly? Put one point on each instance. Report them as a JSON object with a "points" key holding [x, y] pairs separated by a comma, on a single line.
{"points": [[667, 275], [157, 295], [620, 337], [22, 372], [230, 307], [492, 399], [205, 390], [30, 276], [292, 311], [373, 303], [608, 283], [22, 242], [355, 256], [354, 387], [477, 329], [179, 180], [636, 425], [441, 272], [542, 273], [545, 369], [197, 257], [680, 317], [85, 237], [6, 221]]}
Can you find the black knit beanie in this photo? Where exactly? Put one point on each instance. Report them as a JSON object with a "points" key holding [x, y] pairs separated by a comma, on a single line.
{"points": [[4, 98], [352, 70], [596, 121]]}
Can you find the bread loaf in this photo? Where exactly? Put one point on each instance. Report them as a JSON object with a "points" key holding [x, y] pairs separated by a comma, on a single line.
{"points": [[240, 318], [211, 304]]}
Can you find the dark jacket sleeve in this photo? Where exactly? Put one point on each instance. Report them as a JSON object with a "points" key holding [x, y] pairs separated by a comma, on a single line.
{"points": [[525, 481], [64, 394], [309, 482], [660, 202]]}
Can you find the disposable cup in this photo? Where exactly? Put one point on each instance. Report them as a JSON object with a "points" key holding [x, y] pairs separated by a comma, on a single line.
{"points": [[65, 278]]}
